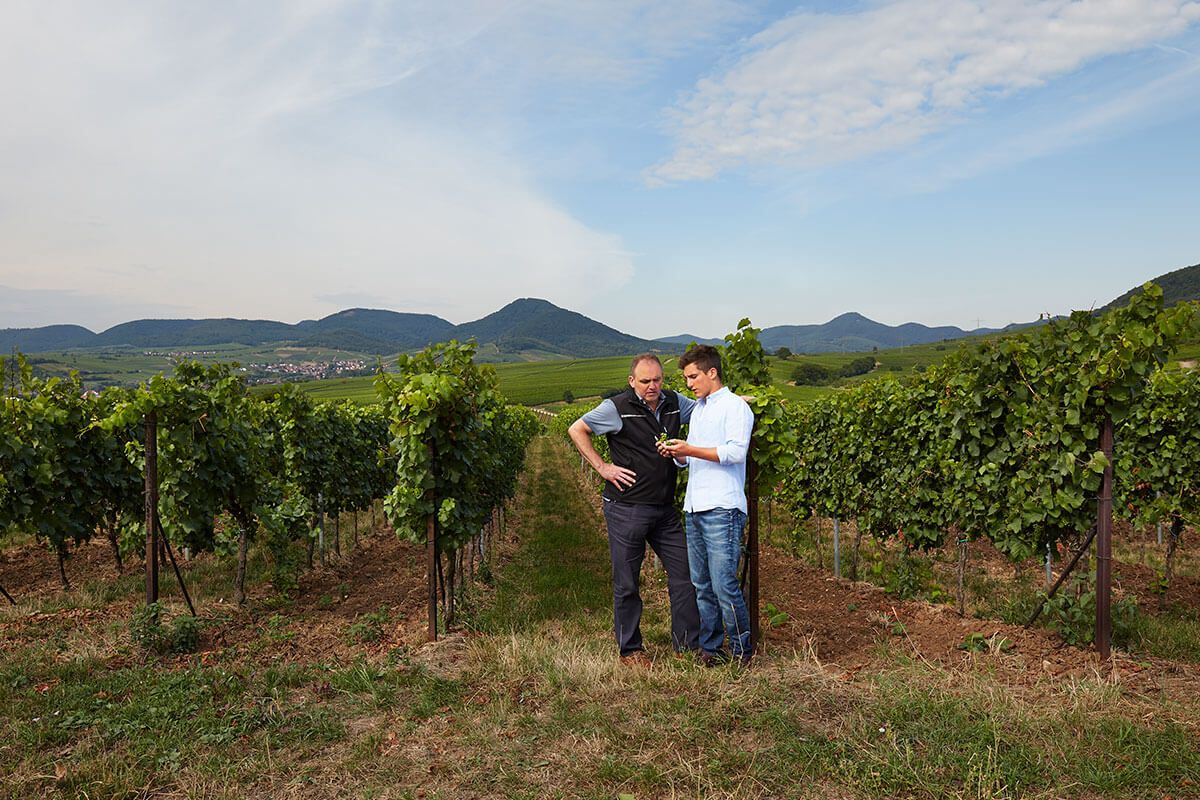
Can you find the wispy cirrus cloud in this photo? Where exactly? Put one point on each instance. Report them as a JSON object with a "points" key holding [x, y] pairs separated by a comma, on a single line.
{"points": [[818, 89]]}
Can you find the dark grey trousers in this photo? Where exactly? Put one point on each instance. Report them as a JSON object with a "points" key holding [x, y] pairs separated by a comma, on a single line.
{"points": [[631, 527]]}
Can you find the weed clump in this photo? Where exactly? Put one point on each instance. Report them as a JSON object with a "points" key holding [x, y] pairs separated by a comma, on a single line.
{"points": [[147, 631], [1073, 614], [368, 628]]}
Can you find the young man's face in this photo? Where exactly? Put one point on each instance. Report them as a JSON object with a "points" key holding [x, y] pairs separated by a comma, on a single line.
{"points": [[646, 380], [701, 382]]}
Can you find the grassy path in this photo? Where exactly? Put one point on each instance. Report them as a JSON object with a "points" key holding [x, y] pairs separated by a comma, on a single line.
{"points": [[561, 572]]}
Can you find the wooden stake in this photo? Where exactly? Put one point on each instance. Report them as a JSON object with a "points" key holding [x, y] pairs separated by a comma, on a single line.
{"points": [[431, 568], [151, 492], [962, 570], [1037, 612], [752, 549], [166, 543], [1104, 516], [62, 567]]}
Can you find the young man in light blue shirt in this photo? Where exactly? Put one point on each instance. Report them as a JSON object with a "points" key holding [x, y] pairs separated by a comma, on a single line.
{"points": [[715, 504]]}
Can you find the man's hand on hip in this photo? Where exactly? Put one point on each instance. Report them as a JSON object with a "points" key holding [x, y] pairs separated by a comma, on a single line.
{"points": [[621, 477]]}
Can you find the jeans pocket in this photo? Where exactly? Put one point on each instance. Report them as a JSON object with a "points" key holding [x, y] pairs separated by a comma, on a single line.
{"points": [[734, 522]]}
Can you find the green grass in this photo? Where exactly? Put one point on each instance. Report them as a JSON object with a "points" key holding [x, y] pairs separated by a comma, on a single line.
{"points": [[563, 566], [1189, 352], [359, 390], [545, 381], [137, 726], [1172, 633], [524, 383], [177, 729]]}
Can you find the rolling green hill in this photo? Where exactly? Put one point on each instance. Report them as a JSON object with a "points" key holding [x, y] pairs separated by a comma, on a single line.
{"points": [[193, 333], [386, 331], [1178, 286], [526, 329], [51, 337], [531, 324]]}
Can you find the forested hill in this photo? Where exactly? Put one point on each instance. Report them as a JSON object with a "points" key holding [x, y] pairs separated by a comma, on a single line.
{"points": [[532, 325], [853, 332], [1178, 286], [527, 327]]}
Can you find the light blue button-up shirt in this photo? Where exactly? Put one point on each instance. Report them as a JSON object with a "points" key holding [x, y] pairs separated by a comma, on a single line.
{"points": [[724, 421]]}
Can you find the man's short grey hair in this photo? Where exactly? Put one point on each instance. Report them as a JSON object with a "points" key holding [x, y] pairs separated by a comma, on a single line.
{"points": [[643, 357]]}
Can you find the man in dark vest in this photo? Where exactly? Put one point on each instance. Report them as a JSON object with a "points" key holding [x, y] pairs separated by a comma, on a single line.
{"points": [[639, 502]]}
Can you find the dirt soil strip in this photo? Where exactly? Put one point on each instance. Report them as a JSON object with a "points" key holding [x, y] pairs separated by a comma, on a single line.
{"points": [[384, 573], [846, 624]]}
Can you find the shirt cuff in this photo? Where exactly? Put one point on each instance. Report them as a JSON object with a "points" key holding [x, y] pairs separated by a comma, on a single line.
{"points": [[731, 454]]}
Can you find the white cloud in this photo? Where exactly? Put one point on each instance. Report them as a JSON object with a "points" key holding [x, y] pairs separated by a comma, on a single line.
{"points": [[818, 89], [264, 159]]}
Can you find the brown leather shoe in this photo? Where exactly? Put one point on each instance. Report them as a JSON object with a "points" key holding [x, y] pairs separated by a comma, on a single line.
{"points": [[639, 659]]}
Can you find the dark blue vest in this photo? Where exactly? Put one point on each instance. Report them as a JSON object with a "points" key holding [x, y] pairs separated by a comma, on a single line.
{"points": [[633, 447]]}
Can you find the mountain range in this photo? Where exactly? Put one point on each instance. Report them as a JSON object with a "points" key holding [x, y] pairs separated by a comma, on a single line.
{"points": [[524, 329]]}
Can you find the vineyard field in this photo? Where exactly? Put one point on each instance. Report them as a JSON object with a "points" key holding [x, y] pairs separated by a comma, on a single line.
{"points": [[128, 366], [906, 673], [543, 382], [330, 691], [524, 383]]}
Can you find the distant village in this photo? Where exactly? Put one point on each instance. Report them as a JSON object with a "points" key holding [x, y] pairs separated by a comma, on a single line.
{"points": [[288, 370], [311, 370]]}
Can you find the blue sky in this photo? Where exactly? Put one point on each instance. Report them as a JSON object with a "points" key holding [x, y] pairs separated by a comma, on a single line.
{"points": [[663, 167]]}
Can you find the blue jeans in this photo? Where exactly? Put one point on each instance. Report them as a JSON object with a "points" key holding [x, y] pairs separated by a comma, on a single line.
{"points": [[714, 540]]}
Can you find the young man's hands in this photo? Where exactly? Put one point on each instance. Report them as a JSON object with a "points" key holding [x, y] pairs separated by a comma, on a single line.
{"points": [[672, 448]]}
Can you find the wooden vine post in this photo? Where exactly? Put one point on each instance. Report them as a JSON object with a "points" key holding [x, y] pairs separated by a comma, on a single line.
{"points": [[151, 507], [431, 568], [431, 561], [752, 548], [1104, 515]]}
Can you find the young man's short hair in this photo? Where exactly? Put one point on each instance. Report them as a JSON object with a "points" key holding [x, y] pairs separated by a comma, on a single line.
{"points": [[643, 357], [705, 357]]}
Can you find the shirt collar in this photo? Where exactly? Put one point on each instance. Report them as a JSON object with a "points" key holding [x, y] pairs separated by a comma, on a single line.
{"points": [[637, 397], [717, 393]]}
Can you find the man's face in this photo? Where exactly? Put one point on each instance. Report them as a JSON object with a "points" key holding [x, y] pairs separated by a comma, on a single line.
{"points": [[702, 383], [646, 381]]}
